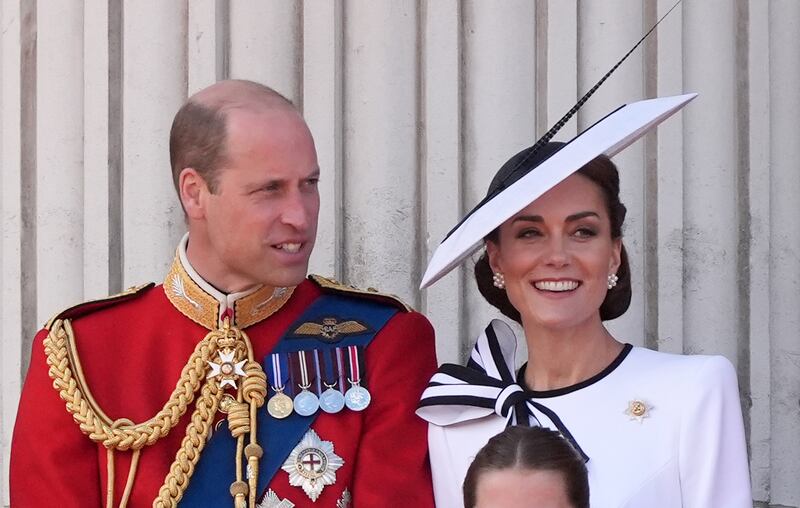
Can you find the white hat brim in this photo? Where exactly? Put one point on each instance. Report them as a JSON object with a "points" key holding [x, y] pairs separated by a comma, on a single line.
{"points": [[609, 136]]}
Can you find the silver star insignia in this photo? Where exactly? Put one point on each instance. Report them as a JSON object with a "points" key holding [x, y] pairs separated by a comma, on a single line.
{"points": [[312, 465], [271, 500]]}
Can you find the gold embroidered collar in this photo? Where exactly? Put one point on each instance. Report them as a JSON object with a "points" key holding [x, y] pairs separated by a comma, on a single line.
{"points": [[202, 303]]}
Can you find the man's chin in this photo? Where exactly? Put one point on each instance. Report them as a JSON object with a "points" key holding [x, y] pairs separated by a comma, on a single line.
{"points": [[285, 279]]}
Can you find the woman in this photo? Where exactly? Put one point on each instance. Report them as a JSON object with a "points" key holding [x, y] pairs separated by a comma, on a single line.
{"points": [[656, 429], [527, 467]]}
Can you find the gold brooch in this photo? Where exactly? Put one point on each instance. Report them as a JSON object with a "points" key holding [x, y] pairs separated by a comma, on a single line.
{"points": [[638, 410], [330, 328]]}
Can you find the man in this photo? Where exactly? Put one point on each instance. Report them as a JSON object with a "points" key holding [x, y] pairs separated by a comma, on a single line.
{"points": [[236, 382]]}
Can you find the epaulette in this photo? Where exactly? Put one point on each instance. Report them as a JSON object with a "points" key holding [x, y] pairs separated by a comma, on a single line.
{"points": [[334, 286], [90, 306]]}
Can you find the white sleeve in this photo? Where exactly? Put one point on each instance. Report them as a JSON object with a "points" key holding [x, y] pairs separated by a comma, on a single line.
{"points": [[713, 455], [446, 486]]}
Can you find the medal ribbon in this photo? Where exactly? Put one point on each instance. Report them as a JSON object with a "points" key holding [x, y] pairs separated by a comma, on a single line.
{"points": [[340, 368], [329, 371], [355, 366], [278, 371], [304, 380], [317, 372]]}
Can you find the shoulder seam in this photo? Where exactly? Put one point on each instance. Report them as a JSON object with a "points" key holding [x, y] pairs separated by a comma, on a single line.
{"points": [[330, 284], [124, 295]]}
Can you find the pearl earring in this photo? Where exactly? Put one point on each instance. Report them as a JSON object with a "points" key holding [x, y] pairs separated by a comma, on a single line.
{"points": [[612, 280], [498, 280]]}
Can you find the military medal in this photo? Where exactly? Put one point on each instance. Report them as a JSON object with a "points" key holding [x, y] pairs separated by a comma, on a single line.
{"points": [[357, 398], [312, 465], [280, 405], [306, 403], [331, 400]]}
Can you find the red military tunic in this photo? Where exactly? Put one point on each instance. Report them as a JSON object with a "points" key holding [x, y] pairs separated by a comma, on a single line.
{"points": [[133, 349]]}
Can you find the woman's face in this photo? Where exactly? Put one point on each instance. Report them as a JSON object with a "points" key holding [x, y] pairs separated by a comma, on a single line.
{"points": [[556, 255], [521, 488]]}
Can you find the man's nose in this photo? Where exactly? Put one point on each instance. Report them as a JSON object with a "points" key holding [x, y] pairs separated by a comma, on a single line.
{"points": [[295, 211]]}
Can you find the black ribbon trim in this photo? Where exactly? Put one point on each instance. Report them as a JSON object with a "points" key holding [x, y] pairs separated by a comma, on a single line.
{"points": [[518, 400]]}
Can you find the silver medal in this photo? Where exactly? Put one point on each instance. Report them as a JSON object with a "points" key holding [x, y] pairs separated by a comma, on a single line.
{"points": [[357, 398], [331, 400], [306, 403]]}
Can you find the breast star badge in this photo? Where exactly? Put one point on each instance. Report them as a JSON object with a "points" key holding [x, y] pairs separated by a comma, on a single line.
{"points": [[638, 410], [312, 465], [344, 501], [271, 500], [226, 369]]}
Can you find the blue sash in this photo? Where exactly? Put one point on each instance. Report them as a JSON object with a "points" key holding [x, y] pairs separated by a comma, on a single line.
{"points": [[216, 469]]}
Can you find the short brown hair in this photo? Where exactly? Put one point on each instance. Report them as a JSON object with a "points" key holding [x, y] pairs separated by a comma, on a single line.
{"points": [[603, 173], [198, 135], [530, 448]]}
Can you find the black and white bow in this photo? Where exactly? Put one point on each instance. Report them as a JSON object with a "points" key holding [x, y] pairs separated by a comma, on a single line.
{"points": [[484, 386]]}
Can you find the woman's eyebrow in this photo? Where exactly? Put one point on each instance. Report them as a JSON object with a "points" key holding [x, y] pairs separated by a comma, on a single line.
{"points": [[570, 218], [581, 215], [528, 218]]}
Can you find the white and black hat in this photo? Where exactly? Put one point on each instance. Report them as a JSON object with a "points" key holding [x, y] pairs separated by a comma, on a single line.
{"points": [[516, 185]]}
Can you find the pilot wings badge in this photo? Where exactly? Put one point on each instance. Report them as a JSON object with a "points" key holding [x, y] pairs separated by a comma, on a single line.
{"points": [[330, 329]]}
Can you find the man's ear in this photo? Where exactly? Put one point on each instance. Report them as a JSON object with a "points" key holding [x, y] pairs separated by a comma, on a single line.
{"points": [[192, 189]]}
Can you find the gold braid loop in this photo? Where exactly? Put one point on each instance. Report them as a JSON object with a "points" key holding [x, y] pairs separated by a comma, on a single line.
{"points": [[254, 386], [197, 431], [68, 379], [239, 418]]}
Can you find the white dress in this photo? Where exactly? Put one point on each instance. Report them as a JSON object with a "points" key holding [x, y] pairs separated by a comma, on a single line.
{"points": [[686, 447]]}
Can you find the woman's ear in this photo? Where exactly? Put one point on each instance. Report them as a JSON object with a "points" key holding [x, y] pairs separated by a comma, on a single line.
{"points": [[616, 256], [493, 253]]}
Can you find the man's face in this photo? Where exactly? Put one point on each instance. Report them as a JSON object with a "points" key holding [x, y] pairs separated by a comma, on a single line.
{"points": [[262, 220]]}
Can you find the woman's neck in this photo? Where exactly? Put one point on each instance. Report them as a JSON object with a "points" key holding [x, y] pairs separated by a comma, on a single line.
{"points": [[563, 357]]}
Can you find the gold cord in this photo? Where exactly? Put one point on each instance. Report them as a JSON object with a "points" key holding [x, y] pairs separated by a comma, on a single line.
{"points": [[110, 478], [121, 435], [63, 361], [182, 468], [126, 494]]}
